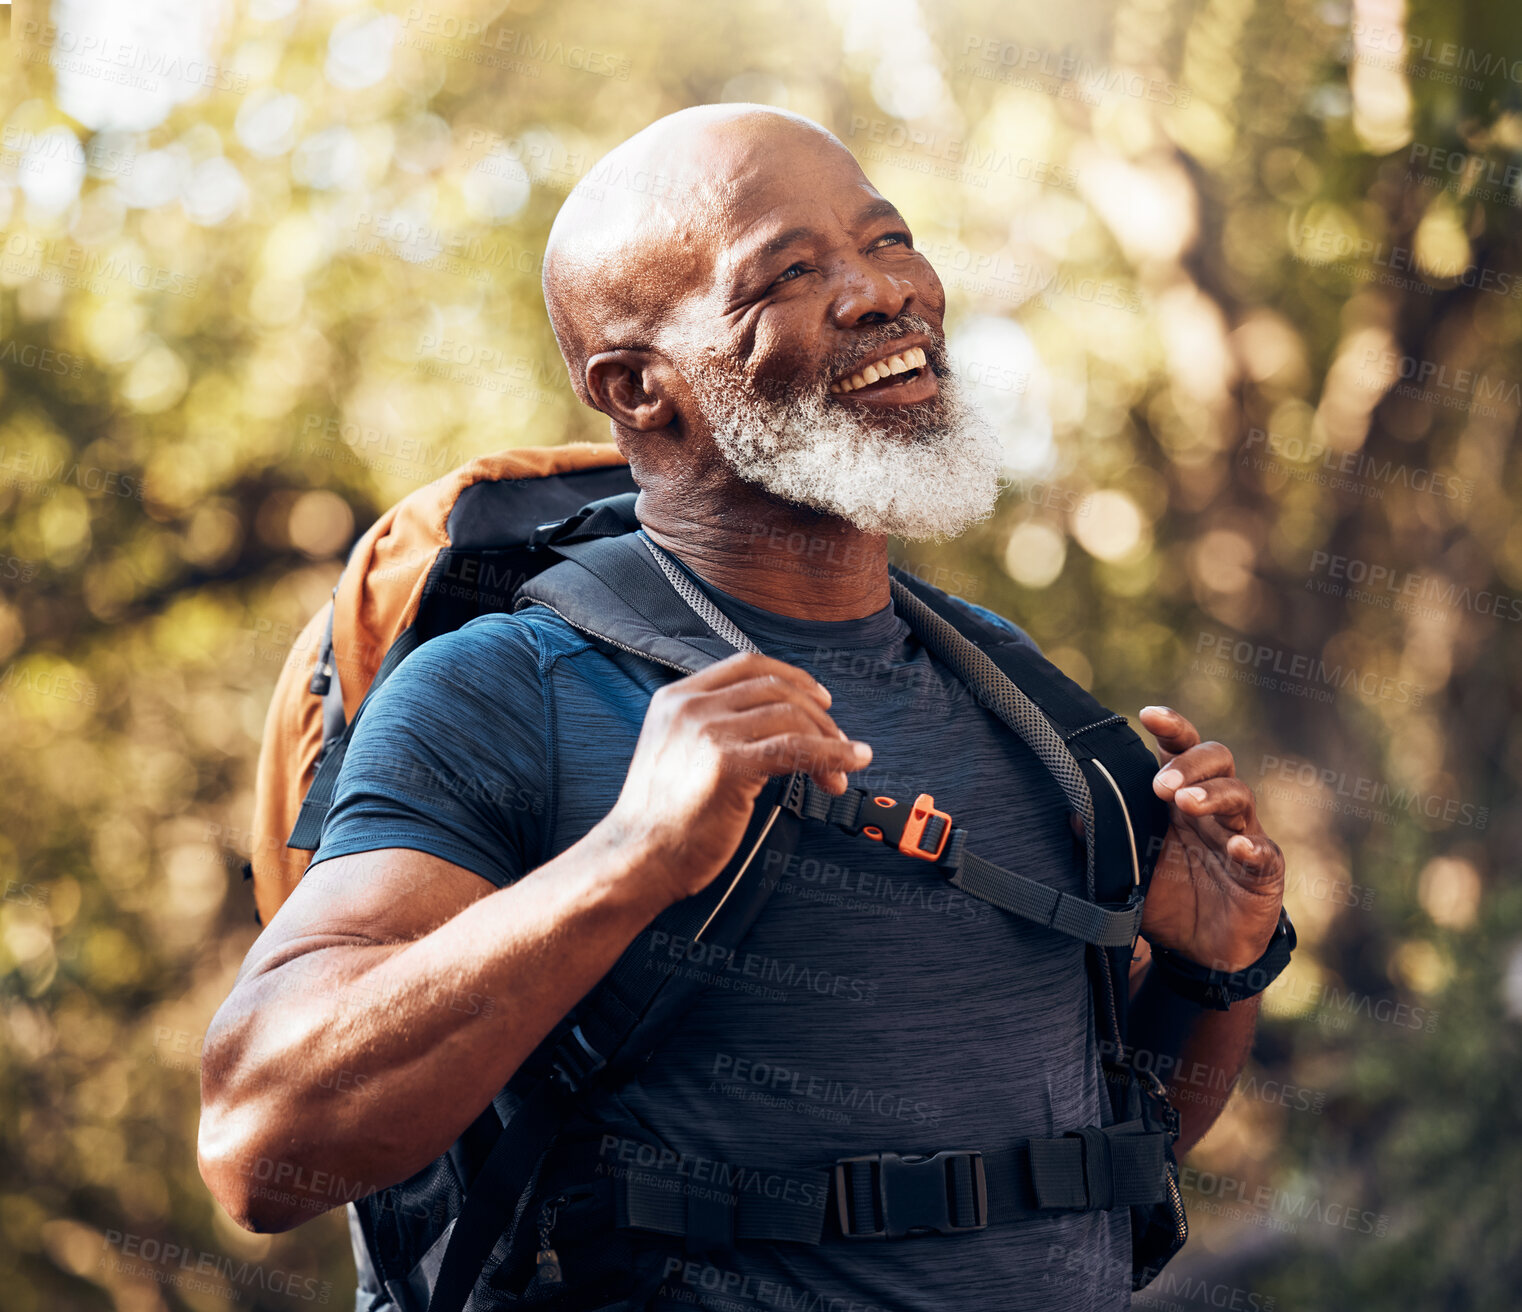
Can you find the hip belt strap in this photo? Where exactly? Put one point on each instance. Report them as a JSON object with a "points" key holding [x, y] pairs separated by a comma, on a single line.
{"points": [[890, 1195]]}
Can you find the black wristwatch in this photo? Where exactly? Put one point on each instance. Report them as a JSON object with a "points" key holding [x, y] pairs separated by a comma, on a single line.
{"points": [[1215, 988]]}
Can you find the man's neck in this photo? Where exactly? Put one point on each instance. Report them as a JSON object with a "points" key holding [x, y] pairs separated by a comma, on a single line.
{"points": [[782, 558]]}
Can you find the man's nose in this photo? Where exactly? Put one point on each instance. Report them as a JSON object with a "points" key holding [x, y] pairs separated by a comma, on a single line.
{"points": [[870, 296]]}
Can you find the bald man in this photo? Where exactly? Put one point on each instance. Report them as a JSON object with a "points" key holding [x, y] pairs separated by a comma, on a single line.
{"points": [[753, 318]]}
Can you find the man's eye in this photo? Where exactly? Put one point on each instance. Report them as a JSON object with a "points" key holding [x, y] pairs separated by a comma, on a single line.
{"points": [[897, 238], [792, 271]]}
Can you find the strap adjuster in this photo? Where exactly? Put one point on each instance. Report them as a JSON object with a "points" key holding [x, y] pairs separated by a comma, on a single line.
{"points": [[894, 1195], [575, 1061], [918, 830]]}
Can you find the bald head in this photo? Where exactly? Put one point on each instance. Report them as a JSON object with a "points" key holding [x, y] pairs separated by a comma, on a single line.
{"points": [[642, 233], [751, 314]]}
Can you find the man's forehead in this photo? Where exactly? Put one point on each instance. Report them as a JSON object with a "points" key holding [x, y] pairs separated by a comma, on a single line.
{"points": [[769, 225], [759, 195], [684, 208]]}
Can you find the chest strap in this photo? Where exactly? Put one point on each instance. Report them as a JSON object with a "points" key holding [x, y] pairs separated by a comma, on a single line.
{"points": [[885, 1195], [918, 830]]}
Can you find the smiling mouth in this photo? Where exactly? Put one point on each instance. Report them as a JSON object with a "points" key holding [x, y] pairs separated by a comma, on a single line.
{"points": [[883, 375]]}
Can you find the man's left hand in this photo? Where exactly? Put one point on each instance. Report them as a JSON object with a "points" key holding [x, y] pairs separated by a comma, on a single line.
{"points": [[1218, 885]]}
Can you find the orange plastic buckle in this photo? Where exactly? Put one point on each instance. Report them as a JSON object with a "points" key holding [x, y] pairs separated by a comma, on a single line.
{"points": [[914, 841], [921, 833]]}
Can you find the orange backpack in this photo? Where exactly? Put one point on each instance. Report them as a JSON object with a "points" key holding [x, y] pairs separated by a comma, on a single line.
{"points": [[444, 554]]}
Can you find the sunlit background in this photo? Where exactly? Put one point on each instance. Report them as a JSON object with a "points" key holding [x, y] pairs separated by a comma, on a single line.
{"points": [[1238, 280]]}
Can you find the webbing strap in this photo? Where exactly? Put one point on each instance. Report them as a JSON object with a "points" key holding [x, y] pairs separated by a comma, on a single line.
{"points": [[1091, 922], [307, 832], [796, 1212], [1002, 696], [1091, 1169], [496, 1196]]}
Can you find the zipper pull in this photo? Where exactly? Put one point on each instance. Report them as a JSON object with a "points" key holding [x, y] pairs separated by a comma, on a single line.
{"points": [[547, 1273]]}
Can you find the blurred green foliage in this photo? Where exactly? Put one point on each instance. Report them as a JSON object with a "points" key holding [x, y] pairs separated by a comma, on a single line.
{"points": [[1240, 282]]}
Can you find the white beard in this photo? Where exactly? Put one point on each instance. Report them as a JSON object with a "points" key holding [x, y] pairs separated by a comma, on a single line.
{"points": [[931, 473]]}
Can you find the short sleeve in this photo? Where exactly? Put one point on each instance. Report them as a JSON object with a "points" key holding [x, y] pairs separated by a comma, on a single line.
{"points": [[451, 757]]}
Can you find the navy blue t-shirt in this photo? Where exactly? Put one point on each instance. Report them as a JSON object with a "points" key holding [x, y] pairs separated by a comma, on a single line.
{"points": [[872, 1007]]}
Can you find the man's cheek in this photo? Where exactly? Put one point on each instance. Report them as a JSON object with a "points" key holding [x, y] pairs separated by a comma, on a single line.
{"points": [[933, 293], [787, 361]]}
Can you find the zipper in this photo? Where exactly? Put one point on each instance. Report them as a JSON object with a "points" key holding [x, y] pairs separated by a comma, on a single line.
{"points": [[1109, 1004], [612, 642], [1180, 1225]]}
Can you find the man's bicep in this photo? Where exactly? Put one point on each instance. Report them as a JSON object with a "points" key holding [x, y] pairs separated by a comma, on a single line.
{"points": [[391, 895]]}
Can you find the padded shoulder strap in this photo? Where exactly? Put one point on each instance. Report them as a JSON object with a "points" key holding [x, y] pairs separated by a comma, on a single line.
{"points": [[1127, 824], [611, 588], [1126, 821], [604, 1040]]}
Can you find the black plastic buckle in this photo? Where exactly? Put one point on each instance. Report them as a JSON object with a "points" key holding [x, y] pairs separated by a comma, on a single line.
{"points": [[911, 1195], [794, 790], [575, 1060], [322, 678], [1156, 1092]]}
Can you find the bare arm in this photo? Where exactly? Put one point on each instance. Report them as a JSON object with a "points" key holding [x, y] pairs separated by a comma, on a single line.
{"points": [[1197, 1052], [358, 1043], [395, 993]]}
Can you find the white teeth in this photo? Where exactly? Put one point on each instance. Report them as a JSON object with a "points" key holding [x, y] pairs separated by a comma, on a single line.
{"points": [[914, 358]]}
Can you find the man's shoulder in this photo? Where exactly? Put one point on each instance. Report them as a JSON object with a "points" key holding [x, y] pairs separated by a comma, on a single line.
{"points": [[529, 639], [498, 659], [996, 620]]}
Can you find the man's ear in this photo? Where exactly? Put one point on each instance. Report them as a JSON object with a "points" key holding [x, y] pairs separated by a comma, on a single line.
{"points": [[633, 388]]}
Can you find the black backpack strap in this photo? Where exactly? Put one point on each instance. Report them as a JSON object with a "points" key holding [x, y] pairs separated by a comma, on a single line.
{"points": [[612, 589], [918, 829], [1102, 766], [637, 1004], [306, 834], [1124, 848], [1131, 820], [893, 1195], [606, 1037]]}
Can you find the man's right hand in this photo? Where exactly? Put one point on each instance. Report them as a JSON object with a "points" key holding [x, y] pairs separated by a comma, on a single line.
{"points": [[708, 745]]}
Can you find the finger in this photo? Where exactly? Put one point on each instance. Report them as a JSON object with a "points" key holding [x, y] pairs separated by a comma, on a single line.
{"points": [[1257, 854], [827, 760], [755, 724], [1228, 800], [1173, 732], [768, 690], [749, 665], [1205, 761]]}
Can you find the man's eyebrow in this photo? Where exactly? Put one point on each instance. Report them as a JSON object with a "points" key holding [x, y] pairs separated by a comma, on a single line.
{"points": [[879, 209], [776, 245], [772, 246]]}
